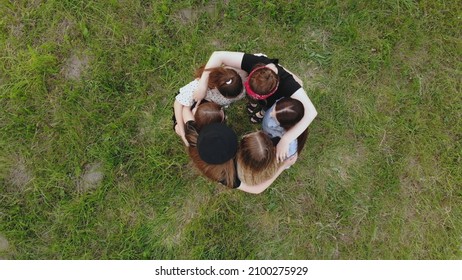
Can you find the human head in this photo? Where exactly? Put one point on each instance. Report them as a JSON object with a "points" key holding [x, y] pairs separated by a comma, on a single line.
{"points": [[289, 112], [226, 80], [256, 158], [223, 171], [216, 143], [208, 113], [262, 82]]}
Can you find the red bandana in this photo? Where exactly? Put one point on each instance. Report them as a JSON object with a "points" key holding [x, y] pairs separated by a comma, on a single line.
{"points": [[253, 94]]}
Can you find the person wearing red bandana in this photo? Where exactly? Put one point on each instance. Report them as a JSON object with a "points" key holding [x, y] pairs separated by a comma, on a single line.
{"points": [[267, 82]]}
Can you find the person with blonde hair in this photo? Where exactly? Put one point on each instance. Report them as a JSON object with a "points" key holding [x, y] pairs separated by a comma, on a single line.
{"points": [[256, 158]]}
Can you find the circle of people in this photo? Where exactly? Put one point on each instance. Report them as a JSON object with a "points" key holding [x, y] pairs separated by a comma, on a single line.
{"points": [[276, 99]]}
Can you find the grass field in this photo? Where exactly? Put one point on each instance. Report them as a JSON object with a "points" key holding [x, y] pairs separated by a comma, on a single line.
{"points": [[90, 167]]}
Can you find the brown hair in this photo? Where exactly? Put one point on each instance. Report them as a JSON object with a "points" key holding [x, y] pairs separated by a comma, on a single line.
{"points": [[224, 173], [263, 80], [226, 80], [208, 113], [256, 158], [289, 112]]}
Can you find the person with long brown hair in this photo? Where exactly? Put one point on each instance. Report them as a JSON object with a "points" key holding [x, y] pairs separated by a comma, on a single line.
{"points": [[267, 82], [225, 86], [212, 149]]}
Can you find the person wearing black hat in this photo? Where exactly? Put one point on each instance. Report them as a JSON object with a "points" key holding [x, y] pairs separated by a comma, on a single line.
{"points": [[214, 151]]}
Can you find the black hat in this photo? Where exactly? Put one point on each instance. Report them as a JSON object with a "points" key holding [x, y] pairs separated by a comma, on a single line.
{"points": [[217, 143]]}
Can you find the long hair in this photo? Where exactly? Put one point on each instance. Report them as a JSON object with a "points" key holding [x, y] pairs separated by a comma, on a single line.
{"points": [[263, 80], [226, 80], [289, 112], [256, 158], [224, 173], [208, 113]]}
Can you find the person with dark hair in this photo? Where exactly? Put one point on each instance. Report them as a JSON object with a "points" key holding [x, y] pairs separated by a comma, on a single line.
{"points": [[225, 86], [267, 82], [281, 117]]}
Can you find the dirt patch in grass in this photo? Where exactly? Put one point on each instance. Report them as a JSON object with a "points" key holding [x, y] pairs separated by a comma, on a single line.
{"points": [[75, 66], [189, 15], [91, 177], [4, 244], [319, 36], [64, 27], [310, 74], [5, 248], [218, 44], [146, 128], [34, 3], [19, 176], [17, 30], [345, 161]]}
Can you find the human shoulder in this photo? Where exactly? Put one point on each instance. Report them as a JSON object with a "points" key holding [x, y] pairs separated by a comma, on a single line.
{"points": [[190, 87], [186, 93], [288, 85], [250, 60]]}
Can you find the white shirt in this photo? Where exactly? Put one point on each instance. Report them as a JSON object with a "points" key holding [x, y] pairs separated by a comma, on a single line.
{"points": [[185, 97]]}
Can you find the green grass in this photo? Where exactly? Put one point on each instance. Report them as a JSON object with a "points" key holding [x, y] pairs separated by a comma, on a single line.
{"points": [[91, 169]]}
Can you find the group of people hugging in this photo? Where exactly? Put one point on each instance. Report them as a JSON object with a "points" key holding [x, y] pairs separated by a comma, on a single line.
{"points": [[276, 100]]}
